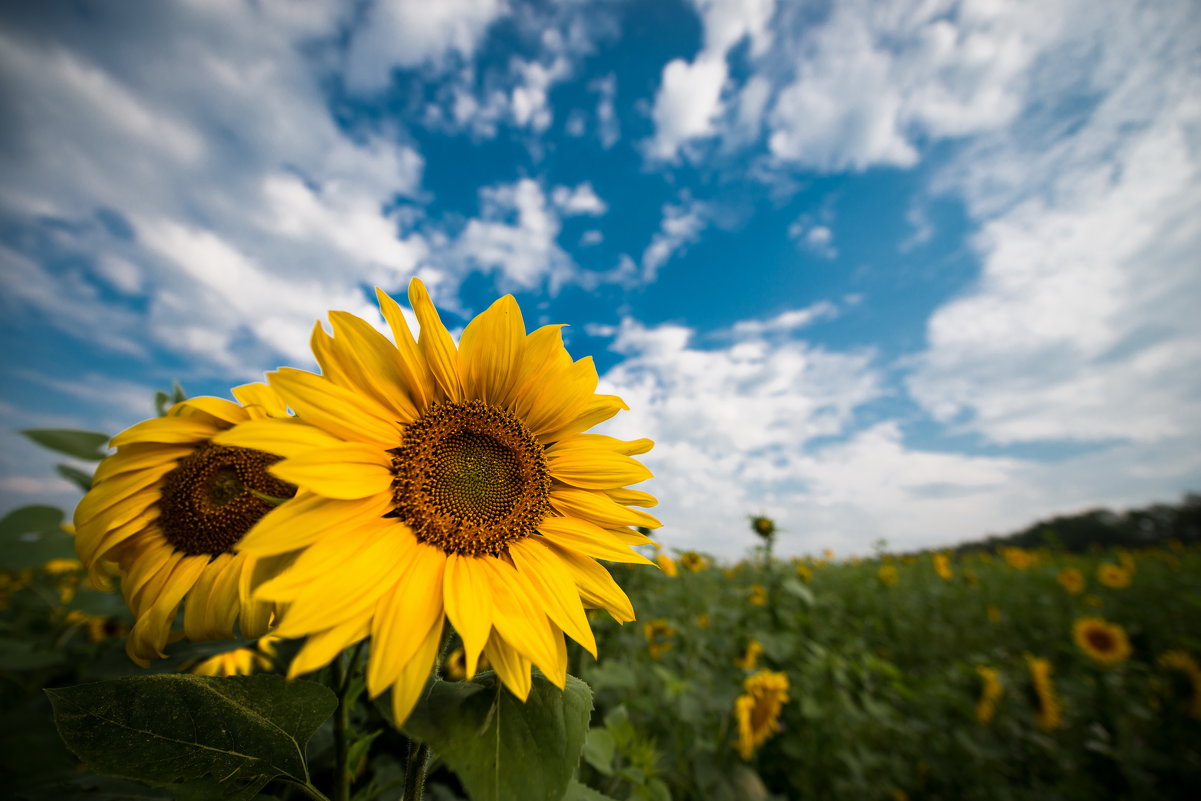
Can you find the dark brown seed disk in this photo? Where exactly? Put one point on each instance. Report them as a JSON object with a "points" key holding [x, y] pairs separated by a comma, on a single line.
{"points": [[470, 478], [208, 501]]}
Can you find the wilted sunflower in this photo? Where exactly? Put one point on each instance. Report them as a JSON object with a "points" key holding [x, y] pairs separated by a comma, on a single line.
{"points": [[1071, 580], [1113, 576], [1105, 642], [1049, 715], [990, 693], [168, 508], [446, 483], [758, 709]]}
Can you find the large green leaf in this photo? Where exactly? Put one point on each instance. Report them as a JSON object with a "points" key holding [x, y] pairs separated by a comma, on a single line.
{"points": [[89, 445], [236, 733], [31, 536], [501, 748]]}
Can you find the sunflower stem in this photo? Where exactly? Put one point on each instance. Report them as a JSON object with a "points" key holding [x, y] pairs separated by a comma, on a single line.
{"points": [[343, 681], [419, 758]]}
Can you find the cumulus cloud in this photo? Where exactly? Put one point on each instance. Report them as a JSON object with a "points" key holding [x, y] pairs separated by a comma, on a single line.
{"points": [[582, 199], [409, 33], [681, 225]]}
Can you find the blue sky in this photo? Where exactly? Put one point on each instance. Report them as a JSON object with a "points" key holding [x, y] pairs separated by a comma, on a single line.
{"points": [[919, 271]]}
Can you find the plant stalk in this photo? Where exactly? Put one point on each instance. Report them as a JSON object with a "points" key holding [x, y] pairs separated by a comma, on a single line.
{"points": [[415, 767]]}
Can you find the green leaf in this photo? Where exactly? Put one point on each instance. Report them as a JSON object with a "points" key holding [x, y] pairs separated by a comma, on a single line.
{"points": [[75, 476], [582, 792], [499, 747], [88, 445], [798, 589], [237, 733], [599, 749], [31, 536]]}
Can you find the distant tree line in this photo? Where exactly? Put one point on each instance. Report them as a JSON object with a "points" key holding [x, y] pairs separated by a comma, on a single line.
{"points": [[1149, 526]]}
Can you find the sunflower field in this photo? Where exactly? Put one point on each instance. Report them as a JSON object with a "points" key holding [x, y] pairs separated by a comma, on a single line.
{"points": [[418, 575]]}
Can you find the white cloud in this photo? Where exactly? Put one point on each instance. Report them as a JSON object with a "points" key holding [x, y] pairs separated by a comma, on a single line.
{"points": [[580, 200], [681, 225], [515, 235], [608, 128], [687, 103], [788, 321], [409, 33]]}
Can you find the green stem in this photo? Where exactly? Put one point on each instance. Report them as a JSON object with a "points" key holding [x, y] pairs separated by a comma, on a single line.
{"points": [[419, 757], [343, 679], [308, 789]]}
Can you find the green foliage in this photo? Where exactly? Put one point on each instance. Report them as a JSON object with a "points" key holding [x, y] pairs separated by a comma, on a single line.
{"points": [[31, 536], [87, 445], [500, 748], [237, 733]]}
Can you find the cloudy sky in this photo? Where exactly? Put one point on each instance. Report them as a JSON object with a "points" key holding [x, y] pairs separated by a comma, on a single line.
{"points": [[918, 270]]}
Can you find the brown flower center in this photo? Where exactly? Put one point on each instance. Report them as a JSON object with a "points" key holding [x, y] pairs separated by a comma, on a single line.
{"points": [[215, 495], [470, 478], [1100, 639]]}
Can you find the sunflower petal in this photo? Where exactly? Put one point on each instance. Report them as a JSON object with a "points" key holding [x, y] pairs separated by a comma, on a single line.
{"points": [[260, 401], [415, 608], [412, 364], [342, 412], [280, 436], [304, 519], [589, 540], [218, 408], [510, 665], [435, 343], [346, 472], [467, 594], [413, 678], [518, 618], [598, 409], [149, 634], [554, 588], [597, 588], [167, 430], [593, 468], [599, 508], [322, 648], [139, 457], [490, 352], [378, 363]]}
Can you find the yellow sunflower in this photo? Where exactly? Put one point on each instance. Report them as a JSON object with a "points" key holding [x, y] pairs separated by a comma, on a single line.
{"points": [[888, 575], [991, 690], [942, 566], [1113, 576], [167, 510], [693, 562], [1049, 715], [1182, 662], [758, 595], [757, 710], [1071, 580], [239, 661], [446, 483], [667, 565], [803, 572], [750, 657], [1104, 642], [659, 636]]}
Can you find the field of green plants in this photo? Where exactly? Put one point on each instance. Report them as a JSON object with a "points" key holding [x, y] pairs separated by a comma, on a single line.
{"points": [[902, 678]]}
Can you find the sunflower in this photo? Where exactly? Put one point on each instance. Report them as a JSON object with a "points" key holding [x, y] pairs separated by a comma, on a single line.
{"points": [[659, 635], [750, 657], [763, 526], [1113, 576], [446, 483], [1182, 662], [1049, 715], [667, 565], [167, 510], [942, 566], [888, 575], [1071, 580], [803, 572], [758, 595], [757, 710], [990, 693], [693, 562], [1104, 642], [239, 661], [1019, 558]]}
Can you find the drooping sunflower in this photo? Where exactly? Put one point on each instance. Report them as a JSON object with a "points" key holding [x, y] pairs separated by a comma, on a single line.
{"points": [[1049, 712], [167, 510], [446, 483], [1113, 576], [991, 690], [1072, 580], [757, 710], [1103, 641]]}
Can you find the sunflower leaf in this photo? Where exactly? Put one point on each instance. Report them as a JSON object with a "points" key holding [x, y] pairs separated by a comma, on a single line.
{"points": [[230, 734], [33, 535], [499, 747], [88, 445]]}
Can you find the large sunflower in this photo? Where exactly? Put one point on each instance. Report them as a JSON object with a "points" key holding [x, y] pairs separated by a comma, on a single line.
{"points": [[167, 510], [446, 483], [1104, 642]]}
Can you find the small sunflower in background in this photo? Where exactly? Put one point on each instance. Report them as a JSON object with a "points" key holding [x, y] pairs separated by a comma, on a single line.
{"points": [[1072, 580], [763, 527], [693, 562], [1095, 601], [454, 668], [1104, 642], [758, 595], [660, 636], [169, 507], [888, 575], [443, 483], [667, 565], [1182, 664], [1048, 714], [994, 613], [1019, 558], [1113, 576], [750, 657], [757, 710], [239, 661], [991, 690], [804, 572], [942, 566]]}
